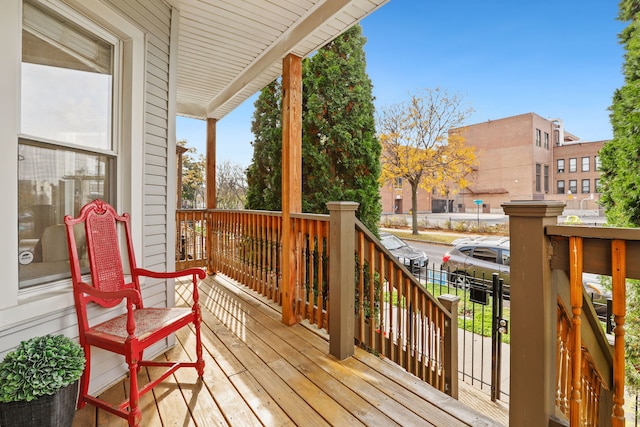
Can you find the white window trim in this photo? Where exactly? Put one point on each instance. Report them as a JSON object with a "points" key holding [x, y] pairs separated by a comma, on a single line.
{"points": [[15, 306]]}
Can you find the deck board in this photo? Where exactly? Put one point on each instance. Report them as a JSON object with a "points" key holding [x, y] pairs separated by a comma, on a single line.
{"points": [[260, 372]]}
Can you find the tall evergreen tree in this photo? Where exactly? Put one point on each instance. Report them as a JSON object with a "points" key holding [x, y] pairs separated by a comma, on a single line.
{"points": [[620, 166], [621, 156], [340, 151], [264, 175], [341, 154]]}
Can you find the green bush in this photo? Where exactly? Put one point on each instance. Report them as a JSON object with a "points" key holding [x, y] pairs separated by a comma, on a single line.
{"points": [[40, 366]]}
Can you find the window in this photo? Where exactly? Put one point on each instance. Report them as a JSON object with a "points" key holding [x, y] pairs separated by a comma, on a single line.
{"points": [[573, 186], [573, 165], [546, 178], [546, 140], [586, 186], [597, 163], [596, 185], [397, 183], [560, 165], [560, 187], [66, 153], [506, 257], [538, 177], [538, 138], [486, 254], [585, 164]]}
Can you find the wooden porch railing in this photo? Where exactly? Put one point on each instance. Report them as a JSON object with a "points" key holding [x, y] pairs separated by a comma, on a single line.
{"points": [[191, 238], [399, 319], [395, 315], [587, 367]]}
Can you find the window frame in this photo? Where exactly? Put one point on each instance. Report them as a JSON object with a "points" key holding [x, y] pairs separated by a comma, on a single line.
{"points": [[573, 186], [573, 164], [22, 305], [560, 188], [585, 164], [560, 168]]}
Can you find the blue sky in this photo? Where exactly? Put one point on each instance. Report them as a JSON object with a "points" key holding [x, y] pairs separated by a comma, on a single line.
{"points": [[556, 58]]}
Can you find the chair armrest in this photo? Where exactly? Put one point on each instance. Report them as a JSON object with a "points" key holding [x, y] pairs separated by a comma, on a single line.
{"points": [[131, 294], [199, 272]]}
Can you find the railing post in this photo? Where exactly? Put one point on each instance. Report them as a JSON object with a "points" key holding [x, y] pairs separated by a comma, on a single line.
{"points": [[450, 302], [534, 305], [341, 278]]}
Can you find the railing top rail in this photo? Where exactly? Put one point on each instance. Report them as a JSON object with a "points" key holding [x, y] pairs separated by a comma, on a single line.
{"points": [[610, 233], [316, 217], [370, 236], [247, 211]]}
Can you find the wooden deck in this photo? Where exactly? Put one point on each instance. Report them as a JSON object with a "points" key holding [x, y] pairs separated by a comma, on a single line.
{"points": [[260, 372]]}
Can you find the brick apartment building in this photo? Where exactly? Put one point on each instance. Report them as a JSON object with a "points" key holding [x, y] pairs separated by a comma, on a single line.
{"points": [[523, 157]]}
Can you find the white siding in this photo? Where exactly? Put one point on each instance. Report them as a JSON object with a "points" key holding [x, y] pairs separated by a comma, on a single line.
{"points": [[146, 163]]}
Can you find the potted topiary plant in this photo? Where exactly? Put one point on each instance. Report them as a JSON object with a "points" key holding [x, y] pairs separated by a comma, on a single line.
{"points": [[39, 382]]}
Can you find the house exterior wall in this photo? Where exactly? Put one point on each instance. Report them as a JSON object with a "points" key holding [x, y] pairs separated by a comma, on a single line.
{"points": [[145, 176]]}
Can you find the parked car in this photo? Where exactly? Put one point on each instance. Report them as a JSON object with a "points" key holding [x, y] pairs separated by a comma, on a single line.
{"points": [[477, 259], [474, 260], [413, 259]]}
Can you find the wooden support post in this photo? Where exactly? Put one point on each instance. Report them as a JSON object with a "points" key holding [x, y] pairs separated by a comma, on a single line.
{"points": [[450, 302], [211, 163], [291, 177], [211, 188], [342, 278], [534, 307], [618, 282]]}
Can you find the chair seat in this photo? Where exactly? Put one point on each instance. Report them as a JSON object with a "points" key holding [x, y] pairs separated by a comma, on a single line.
{"points": [[148, 321]]}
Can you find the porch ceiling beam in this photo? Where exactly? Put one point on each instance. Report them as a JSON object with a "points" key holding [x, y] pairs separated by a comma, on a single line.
{"points": [[288, 42]]}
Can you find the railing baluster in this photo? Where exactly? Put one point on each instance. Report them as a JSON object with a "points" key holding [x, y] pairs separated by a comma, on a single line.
{"points": [[618, 279], [575, 277]]}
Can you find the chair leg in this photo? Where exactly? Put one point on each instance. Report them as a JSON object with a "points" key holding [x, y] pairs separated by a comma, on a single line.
{"points": [[84, 379], [135, 415], [199, 358]]}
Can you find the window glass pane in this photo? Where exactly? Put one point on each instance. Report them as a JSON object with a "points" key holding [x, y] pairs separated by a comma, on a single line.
{"points": [[560, 187], [560, 165], [573, 165], [66, 115], [66, 81], [52, 182], [585, 164], [486, 254]]}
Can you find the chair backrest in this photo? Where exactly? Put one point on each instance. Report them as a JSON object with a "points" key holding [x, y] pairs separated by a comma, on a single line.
{"points": [[105, 261]]}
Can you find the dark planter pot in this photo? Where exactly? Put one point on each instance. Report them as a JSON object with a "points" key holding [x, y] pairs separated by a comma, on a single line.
{"points": [[57, 410]]}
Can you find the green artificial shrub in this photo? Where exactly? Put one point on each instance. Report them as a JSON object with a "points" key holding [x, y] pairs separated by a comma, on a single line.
{"points": [[40, 366]]}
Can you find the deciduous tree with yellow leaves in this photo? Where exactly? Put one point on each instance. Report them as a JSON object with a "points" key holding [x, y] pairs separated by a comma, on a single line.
{"points": [[418, 147]]}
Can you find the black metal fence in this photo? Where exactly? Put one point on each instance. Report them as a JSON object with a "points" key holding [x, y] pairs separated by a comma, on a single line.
{"points": [[483, 313]]}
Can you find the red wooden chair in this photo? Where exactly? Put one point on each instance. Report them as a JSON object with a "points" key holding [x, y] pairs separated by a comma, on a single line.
{"points": [[130, 333]]}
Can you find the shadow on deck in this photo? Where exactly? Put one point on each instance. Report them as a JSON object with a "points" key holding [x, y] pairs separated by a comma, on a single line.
{"points": [[261, 372]]}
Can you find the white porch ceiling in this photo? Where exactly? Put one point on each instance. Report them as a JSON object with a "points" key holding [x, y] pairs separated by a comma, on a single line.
{"points": [[230, 49]]}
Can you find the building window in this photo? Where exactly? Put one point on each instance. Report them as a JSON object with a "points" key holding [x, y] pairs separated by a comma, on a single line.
{"points": [[597, 162], [397, 183], [538, 177], [573, 165], [546, 178], [585, 164], [560, 187], [66, 154], [596, 185], [546, 140], [586, 186], [560, 165], [538, 138], [573, 186]]}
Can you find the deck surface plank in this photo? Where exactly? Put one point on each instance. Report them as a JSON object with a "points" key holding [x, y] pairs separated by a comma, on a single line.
{"points": [[259, 372]]}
